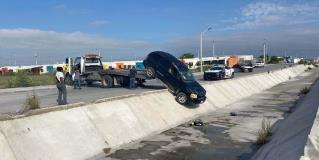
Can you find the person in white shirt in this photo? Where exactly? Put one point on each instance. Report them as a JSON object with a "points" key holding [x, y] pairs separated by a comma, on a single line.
{"points": [[62, 100]]}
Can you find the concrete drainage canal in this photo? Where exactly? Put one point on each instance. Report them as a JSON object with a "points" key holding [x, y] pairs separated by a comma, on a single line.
{"points": [[230, 133]]}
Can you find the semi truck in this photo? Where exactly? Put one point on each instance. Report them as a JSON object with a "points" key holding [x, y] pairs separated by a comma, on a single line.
{"points": [[91, 70]]}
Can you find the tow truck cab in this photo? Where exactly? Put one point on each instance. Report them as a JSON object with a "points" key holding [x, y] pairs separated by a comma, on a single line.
{"points": [[89, 66]]}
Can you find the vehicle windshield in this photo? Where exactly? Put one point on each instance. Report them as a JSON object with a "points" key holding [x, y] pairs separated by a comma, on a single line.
{"points": [[216, 68], [186, 75], [91, 60]]}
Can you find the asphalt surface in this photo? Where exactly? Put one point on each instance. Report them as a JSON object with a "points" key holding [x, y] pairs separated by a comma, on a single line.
{"points": [[12, 100]]}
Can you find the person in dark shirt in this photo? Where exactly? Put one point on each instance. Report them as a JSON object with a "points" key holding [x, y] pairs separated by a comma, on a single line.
{"points": [[132, 77]]}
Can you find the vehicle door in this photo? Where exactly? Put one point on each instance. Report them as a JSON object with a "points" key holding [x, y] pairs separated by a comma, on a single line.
{"points": [[228, 72], [77, 64], [174, 78], [161, 69]]}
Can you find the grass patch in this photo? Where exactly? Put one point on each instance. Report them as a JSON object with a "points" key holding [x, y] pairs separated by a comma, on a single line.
{"points": [[304, 91], [263, 133], [25, 79], [32, 102]]}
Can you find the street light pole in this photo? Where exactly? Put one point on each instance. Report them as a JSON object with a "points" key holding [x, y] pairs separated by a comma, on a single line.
{"points": [[201, 48], [36, 58], [213, 48], [201, 52], [264, 51]]}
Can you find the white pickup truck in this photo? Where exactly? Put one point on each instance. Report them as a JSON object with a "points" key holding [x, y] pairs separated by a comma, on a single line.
{"points": [[219, 72]]}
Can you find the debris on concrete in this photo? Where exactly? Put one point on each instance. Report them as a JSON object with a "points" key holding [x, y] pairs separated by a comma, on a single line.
{"points": [[197, 122], [233, 114]]}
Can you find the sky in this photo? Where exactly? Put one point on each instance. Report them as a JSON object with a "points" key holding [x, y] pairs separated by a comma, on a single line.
{"points": [[130, 29]]}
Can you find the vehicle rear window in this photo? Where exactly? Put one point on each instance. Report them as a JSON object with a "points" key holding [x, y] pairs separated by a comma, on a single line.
{"points": [[91, 60]]}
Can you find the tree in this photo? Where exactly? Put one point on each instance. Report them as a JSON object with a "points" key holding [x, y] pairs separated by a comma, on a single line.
{"points": [[261, 58], [186, 55], [275, 59]]}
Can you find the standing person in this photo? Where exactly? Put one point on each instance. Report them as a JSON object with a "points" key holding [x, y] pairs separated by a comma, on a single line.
{"points": [[132, 77], [77, 79], [61, 86]]}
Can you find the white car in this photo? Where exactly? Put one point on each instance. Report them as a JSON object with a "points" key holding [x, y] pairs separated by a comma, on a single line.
{"points": [[259, 64], [219, 72]]}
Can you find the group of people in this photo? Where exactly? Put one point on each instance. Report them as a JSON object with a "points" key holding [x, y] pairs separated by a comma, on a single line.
{"points": [[76, 77]]}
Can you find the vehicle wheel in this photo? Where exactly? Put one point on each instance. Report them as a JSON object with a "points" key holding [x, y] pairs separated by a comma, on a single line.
{"points": [[250, 70], [89, 83], [140, 82], [222, 76], [181, 98], [205, 78], [68, 80], [107, 82], [233, 75], [150, 72]]}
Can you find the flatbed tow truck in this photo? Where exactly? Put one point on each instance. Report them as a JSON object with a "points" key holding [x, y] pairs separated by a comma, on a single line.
{"points": [[91, 70]]}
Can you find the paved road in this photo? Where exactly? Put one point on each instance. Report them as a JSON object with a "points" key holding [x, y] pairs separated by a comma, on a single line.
{"points": [[13, 99]]}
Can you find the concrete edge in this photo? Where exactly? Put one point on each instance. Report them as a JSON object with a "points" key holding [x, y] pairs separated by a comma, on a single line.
{"points": [[4, 117]]}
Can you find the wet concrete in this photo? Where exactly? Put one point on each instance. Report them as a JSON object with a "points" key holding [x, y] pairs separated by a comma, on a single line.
{"points": [[223, 137], [188, 142]]}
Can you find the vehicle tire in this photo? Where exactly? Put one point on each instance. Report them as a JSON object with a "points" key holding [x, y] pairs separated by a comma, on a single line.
{"points": [[89, 83], [150, 72], [107, 81], [221, 76], [250, 70], [68, 80], [181, 98], [140, 82], [205, 77], [233, 75]]}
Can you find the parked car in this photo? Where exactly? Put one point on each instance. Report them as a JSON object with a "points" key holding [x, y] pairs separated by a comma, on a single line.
{"points": [[243, 68], [219, 72], [176, 76], [259, 64]]}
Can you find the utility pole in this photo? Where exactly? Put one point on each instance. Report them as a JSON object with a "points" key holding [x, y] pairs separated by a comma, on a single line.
{"points": [[36, 58], [15, 60], [201, 48], [213, 48], [264, 51]]}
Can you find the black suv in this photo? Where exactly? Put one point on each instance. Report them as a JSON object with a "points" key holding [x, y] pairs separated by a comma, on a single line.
{"points": [[176, 76]]}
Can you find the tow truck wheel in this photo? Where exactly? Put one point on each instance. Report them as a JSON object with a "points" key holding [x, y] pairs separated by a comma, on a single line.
{"points": [[68, 80], [107, 82], [181, 98], [150, 72]]}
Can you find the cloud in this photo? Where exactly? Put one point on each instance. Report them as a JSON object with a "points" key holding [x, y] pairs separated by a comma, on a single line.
{"points": [[39, 39], [266, 14], [98, 23], [301, 41], [23, 43]]}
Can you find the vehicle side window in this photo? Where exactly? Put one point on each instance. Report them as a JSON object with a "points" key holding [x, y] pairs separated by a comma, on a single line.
{"points": [[173, 71], [77, 62]]}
